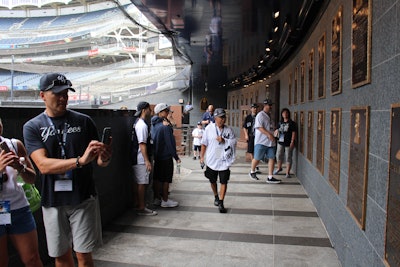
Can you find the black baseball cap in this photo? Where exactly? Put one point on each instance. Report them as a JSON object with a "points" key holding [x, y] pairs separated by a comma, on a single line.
{"points": [[55, 82], [268, 101], [254, 105], [219, 112], [142, 105]]}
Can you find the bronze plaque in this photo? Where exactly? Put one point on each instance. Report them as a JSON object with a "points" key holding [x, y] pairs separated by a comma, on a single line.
{"points": [[320, 140], [311, 75], [295, 93], [321, 67], [336, 82], [358, 164], [334, 154], [392, 244], [361, 43], [290, 89], [301, 131], [302, 82], [310, 134]]}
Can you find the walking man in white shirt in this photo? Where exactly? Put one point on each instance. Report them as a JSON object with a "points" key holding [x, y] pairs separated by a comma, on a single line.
{"points": [[218, 145], [197, 134], [264, 142]]}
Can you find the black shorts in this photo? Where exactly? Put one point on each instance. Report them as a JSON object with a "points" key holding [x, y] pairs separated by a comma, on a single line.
{"points": [[213, 175], [250, 144], [198, 148], [163, 170]]}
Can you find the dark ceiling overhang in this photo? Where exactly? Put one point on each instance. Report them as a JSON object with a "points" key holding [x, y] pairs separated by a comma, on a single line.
{"points": [[295, 21]]}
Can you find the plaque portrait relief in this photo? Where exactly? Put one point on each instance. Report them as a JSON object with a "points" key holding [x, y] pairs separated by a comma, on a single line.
{"points": [[301, 131], [357, 138], [320, 140], [311, 75], [334, 153], [358, 164], [392, 234], [321, 67], [361, 43], [302, 82], [310, 134], [295, 93], [336, 74]]}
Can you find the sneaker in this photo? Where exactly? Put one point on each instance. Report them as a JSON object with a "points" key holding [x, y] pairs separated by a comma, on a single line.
{"points": [[157, 202], [288, 176], [273, 181], [146, 212], [169, 203], [258, 170], [253, 176], [194, 158], [277, 171], [221, 208], [216, 201]]}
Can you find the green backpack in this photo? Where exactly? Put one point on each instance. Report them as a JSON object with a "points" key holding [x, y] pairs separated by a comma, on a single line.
{"points": [[31, 192]]}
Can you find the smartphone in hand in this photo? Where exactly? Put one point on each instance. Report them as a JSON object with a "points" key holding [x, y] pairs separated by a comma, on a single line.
{"points": [[4, 146], [106, 137]]}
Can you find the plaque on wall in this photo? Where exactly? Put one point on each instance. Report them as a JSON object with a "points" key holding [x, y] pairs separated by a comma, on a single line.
{"points": [[361, 43], [290, 89], [295, 93], [334, 153], [321, 67], [311, 75], [301, 131], [358, 164], [310, 134], [320, 140], [302, 82], [336, 75], [392, 242]]}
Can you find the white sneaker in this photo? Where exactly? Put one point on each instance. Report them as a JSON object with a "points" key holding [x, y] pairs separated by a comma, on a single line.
{"points": [[146, 212], [169, 203]]}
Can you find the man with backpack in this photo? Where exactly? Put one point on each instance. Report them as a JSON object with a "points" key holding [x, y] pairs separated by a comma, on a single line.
{"points": [[141, 161]]}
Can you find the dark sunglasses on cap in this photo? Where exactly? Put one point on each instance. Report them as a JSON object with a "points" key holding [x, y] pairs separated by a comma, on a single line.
{"points": [[58, 83]]}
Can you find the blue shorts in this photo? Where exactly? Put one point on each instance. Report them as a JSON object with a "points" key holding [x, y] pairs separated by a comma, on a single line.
{"points": [[22, 222], [261, 152]]}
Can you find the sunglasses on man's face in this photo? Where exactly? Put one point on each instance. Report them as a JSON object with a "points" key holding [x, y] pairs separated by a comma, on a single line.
{"points": [[58, 83]]}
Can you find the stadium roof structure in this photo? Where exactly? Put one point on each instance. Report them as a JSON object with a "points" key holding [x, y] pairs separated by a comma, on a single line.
{"points": [[224, 44], [113, 50]]}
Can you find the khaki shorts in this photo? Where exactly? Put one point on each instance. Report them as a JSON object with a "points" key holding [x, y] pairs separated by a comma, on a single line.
{"points": [[77, 227], [141, 174], [284, 152]]}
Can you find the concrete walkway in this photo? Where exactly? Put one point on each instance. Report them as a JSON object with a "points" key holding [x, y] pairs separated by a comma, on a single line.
{"points": [[266, 225]]}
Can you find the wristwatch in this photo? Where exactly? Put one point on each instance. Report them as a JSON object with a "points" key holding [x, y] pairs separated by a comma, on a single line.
{"points": [[77, 162]]}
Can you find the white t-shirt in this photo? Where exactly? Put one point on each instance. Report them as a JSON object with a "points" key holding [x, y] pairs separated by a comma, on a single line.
{"points": [[263, 120], [142, 135], [197, 140], [12, 191], [219, 157]]}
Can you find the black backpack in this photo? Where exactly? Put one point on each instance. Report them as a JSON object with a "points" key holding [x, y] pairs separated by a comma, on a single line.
{"points": [[135, 144]]}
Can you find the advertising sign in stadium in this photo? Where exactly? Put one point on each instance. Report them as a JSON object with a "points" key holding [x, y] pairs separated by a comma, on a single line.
{"points": [[93, 52]]}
